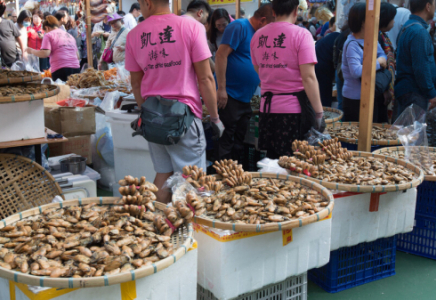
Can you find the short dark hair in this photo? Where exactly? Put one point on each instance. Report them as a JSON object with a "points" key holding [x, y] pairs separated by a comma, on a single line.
{"points": [[46, 14], [299, 19], [418, 5], [24, 14], [387, 14], [332, 21], [265, 11], [356, 17], [9, 15], [140, 19], [196, 5], [134, 6], [64, 9], [60, 14], [284, 7], [121, 13]]}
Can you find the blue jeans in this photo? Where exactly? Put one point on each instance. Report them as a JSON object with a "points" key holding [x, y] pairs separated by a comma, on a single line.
{"points": [[339, 85]]}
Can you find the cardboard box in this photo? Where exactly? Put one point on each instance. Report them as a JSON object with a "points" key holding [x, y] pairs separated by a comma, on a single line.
{"points": [[70, 121], [80, 145]]}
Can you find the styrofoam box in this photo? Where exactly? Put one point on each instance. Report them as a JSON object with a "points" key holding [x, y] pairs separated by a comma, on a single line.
{"points": [[122, 133], [353, 223], [178, 281], [22, 120], [132, 162], [229, 269]]}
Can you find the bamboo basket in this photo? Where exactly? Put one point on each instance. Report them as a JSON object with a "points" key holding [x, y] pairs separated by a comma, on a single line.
{"points": [[332, 110], [182, 240], [372, 188], [54, 90], [24, 184], [355, 141], [280, 225], [10, 80], [394, 151]]}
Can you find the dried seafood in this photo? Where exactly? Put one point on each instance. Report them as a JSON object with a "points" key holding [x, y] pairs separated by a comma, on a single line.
{"points": [[21, 90], [4, 74], [352, 132], [422, 158], [90, 240], [87, 79]]}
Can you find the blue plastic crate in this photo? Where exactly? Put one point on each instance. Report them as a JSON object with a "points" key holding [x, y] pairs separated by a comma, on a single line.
{"points": [[422, 240], [356, 265], [426, 199]]}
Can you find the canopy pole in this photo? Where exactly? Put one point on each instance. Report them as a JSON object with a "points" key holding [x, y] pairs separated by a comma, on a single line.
{"points": [[177, 7], [368, 74], [88, 34], [238, 9]]}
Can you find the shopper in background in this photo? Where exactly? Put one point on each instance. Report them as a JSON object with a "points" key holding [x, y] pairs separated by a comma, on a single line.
{"points": [[241, 13], [284, 56], [130, 18], [45, 15], [13, 17], [61, 48], [313, 26], [416, 70], [237, 80], [180, 44], [116, 40], [387, 17], [352, 60], [121, 13], [198, 10], [219, 21], [62, 18], [325, 68], [74, 32], [35, 34], [331, 28], [23, 22], [9, 34], [401, 17], [337, 62]]}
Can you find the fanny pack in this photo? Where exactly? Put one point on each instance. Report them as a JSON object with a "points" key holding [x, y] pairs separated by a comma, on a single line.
{"points": [[163, 121]]}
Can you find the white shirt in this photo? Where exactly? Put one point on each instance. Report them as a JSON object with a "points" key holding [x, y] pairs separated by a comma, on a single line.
{"points": [[129, 21], [401, 17]]}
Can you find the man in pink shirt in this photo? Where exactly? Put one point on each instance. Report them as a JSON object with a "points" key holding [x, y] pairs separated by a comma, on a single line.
{"points": [[166, 55]]}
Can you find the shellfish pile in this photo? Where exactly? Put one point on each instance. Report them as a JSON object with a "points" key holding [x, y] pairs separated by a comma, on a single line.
{"points": [[4, 74], [424, 159], [87, 79], [20, 90], [91, 240], [352, 132]]}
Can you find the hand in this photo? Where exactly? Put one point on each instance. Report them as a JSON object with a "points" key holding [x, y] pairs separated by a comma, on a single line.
{"points": [[222, 98], [28, 50], [432, 103], [96, 34], [218, 128], [99, 65], [382, 62], [40, 35], [320, 122]]}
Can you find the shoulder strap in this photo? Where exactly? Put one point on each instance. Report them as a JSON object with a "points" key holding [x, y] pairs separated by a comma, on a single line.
{"points": [[404, 29], [116, 38]]}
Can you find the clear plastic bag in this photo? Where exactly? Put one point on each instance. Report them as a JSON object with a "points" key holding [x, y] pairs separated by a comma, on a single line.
{"points": [[314, 137], [411, 130], [122, 74], [267, 165], [30, 64]]}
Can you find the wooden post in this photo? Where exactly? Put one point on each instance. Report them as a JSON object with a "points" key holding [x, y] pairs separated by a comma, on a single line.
{"points": [[368, 74], [177, 7], [120, 4], [238, 9], [17, 7], [88, 34]]}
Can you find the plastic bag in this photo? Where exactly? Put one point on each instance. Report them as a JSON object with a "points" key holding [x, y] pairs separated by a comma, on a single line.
{"points": [[411, 130], [30, 64], [431, 127], [122, 74], [89, 92], [267, 165], [73, 102], [314, 137]]}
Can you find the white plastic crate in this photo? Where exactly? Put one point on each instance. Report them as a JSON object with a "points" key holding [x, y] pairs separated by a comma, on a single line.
{"points": [[178, 281], [232, 265], [292, 288], [353, 223]]}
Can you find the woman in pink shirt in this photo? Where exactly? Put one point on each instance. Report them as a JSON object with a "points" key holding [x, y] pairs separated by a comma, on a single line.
{"points": [[61, 47], [284, 56]]}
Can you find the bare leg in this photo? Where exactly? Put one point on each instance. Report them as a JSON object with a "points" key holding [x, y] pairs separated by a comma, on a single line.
{"points": [[163, 195]]}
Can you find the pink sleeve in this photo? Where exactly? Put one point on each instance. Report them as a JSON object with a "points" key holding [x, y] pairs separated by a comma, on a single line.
{"points": [[252, 48], [131, 64], [306, 51], [199, 49], [46, 45]]}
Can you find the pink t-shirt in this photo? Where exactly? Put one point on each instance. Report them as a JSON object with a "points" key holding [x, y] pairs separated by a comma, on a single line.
{"points": [[165, 47], [63, 50], [278, 49]]}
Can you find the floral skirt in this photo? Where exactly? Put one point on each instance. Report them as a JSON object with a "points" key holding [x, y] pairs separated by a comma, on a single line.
{"points": [[277, 132]]}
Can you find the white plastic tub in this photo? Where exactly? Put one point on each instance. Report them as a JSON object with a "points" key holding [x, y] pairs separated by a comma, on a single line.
{"points": [[22, 120], [244, 264], [353, 223]]}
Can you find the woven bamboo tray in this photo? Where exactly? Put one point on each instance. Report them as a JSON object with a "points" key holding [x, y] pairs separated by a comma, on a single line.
{"points": [[372, 188], [280, 225], [182, 240], [394, 151], [9, 80], [333, 111], [24, 184], [54, 90], [355, 141]]}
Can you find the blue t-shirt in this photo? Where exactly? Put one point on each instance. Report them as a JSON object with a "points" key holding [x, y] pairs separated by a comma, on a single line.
{"points": [[241, 78]]}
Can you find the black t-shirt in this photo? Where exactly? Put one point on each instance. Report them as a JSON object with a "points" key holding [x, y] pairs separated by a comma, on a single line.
{"points": [[8, 47], [324, 53]]}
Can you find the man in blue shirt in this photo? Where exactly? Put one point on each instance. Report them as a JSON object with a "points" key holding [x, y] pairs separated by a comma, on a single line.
{"points": [[237, 80], [416, 70]]}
